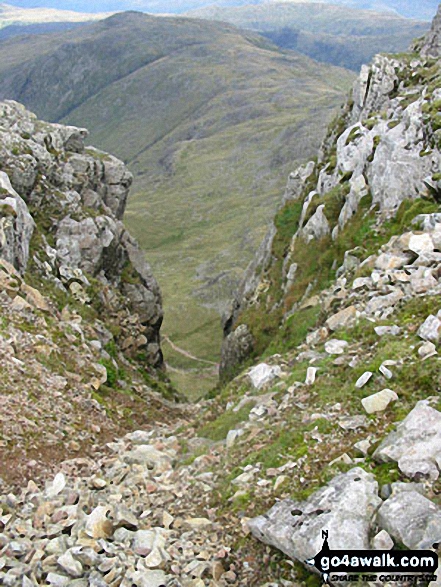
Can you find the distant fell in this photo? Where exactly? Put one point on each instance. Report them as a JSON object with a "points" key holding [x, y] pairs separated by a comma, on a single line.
{"points": [[340, 35]]}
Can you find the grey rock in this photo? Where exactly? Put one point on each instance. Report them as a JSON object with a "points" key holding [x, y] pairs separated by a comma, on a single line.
{"points": [[392, 330], [416, 443], [380, 303], [16, 226], [296, 181], [317, 226], [431, 46], [412, 519], [236, 347], [349, 502], [430, 330]]}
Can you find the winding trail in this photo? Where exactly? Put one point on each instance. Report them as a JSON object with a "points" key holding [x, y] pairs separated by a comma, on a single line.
{"points": [[186, 353]]}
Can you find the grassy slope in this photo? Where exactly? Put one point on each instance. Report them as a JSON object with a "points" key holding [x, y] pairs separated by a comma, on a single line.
{"points": [[336, 34], [209, 119]]}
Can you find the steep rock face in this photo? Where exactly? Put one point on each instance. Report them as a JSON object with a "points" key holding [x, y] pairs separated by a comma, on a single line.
{"points": [[381, 154], [432, 41], [75, 198]]}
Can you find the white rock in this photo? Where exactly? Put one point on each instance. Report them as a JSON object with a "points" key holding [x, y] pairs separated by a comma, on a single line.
{"points": [[361, 282], [310, 375], [263, 374], [232, 436], [361, 381], [57, 485], [68, 564], [335, 347], [386, 372], [378, 402], [428, 349], [383, 330], [421, 243]]}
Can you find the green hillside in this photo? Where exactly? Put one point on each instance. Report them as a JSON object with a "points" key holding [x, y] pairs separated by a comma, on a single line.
{"points": [[337, 34], [210, 121]]}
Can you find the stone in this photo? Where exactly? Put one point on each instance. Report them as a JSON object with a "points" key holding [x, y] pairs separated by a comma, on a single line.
{"points": [[34, 297], [382, 541], [363, 446], [198, 523], [431, 329], [68, 564], [389, 261], [98, 524], [378, 304], [362, 282], [412, 519], [335, 347], [311, 373], [317, 226], [427, 350], [415, 444], [378, 402], [232, 437], [386, 372], [363, 379], [421, 244], [384, 330], [150, 578], [342, 319], [57, 486], [352, 422], [349, 503], [16, 226], [145, 541], [262, 375], [149, 457]]}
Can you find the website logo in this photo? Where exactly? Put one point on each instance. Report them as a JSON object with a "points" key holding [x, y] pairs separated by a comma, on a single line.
{"points": [[371, 565]]}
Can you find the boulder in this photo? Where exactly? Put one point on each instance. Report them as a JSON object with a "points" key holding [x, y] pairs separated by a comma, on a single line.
{"points": [[16, 226], [342, 319], [430, 330], [236, 347], [411, 519], [416, 443], [348, 504]]}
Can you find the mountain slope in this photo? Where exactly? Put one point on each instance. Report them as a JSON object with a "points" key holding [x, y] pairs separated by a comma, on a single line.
{"points": [[207, 118], [336, 34]]}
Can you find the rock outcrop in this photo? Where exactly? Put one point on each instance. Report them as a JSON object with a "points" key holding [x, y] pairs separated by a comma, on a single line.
{"points": [[381, 153], [71, 199]]}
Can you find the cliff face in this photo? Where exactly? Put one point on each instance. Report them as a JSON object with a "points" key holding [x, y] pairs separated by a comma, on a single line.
{"points": [[380, 160], [62, 209], [80, 310]]}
